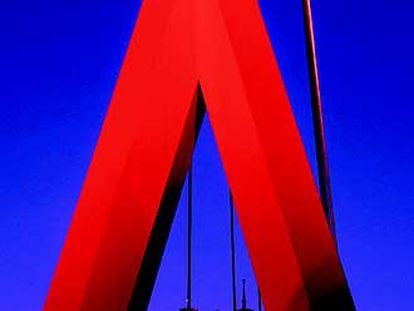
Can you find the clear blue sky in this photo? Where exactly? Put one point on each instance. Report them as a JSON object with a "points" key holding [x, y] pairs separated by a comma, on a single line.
{"points": [[59, 61]]}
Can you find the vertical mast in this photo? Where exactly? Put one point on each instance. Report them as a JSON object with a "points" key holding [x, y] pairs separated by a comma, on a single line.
{"points": [[189, 232], [233, 253], [320, 142]]}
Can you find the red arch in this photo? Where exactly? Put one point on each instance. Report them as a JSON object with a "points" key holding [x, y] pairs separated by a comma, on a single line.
{"points": [[180, 49]]}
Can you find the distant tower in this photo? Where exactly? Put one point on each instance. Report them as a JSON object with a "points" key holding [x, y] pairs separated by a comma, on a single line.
{"points": [[244, 300]]}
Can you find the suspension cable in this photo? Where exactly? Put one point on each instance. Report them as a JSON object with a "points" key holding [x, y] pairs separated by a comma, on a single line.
{"points": [[320, 141]]}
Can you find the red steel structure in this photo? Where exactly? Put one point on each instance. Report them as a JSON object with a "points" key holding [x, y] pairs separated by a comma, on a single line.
{"points": [[186, 57]]}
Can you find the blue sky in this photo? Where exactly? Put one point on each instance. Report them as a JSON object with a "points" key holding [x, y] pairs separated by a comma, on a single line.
{"points": [[59, 63]]}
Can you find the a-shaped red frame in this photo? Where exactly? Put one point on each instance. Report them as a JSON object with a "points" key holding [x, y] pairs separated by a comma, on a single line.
{"points": [[184, 53]]}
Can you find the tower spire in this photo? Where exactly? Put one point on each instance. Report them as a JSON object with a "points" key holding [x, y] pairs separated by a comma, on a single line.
{"points": [[244, 300]]}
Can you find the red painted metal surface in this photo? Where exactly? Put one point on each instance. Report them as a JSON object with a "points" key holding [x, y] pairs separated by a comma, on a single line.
{"points": [[180, 49]]}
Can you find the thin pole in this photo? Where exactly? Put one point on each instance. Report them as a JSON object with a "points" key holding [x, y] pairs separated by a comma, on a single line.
{"points": [[189, 232], [233, 253], [320, 141]]}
